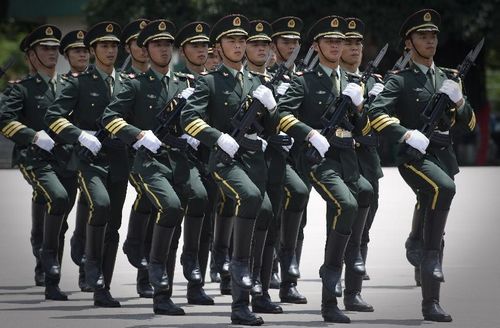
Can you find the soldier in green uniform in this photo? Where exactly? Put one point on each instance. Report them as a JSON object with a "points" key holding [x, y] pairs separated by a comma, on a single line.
{"points": [[163, 171], [207, 117], [78, 56], [369, 166], [192, 40], [36, 155], [284, 180], [213, 59], [74, 118], [396, 115], [141, 220], [336, 177]]}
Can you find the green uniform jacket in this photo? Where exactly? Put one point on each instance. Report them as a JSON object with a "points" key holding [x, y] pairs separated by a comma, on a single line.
{"points": [[216, 99], [23, 115], [301, 109], [135, 108], [398, 109]]}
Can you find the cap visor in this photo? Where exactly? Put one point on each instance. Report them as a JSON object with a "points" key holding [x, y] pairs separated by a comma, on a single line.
{"points": [[49, 43]]}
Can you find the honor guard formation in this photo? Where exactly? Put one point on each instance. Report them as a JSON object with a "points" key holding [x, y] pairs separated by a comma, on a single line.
{"points": [[226, 151]]}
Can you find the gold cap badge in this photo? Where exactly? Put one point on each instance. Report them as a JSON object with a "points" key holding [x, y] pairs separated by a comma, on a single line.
{"points": [[109, 28], [427, 17], [80, 35], [142, 25], [259, 27], [162, 26], [352, 25], [49, 31], [199, 28], [334, 23], [237, 21], [291, 23]]}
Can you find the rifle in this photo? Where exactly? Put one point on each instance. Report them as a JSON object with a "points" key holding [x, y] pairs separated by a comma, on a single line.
{"points": [[335, 114], [125, 63], [245, 118], [8, 64], [304, 62], [440, 103]]}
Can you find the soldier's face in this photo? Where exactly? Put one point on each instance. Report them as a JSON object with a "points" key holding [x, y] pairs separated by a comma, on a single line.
{"points": [[283, 47], [160, 52], [258, 52], [136, 52], [233, 47], [105, 52], [212, 61], [329, 49], [78, 58], [196, 53], [352, 51], [44, 56], [424, 42]]}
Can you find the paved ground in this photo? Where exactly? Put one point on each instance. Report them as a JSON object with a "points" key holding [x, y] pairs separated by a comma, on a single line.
{"points": [[470, 294]]}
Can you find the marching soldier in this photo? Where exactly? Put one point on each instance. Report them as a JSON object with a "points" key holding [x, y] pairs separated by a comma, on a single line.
{"points": [[396, 115], [289, 211], [78, 56], [370, 169], [213, 59], [138, 56], [102, 171], [336, 176], [192, 41], [257, 52], [163, 170], [137, 245], [241, 177], [37, 156]]}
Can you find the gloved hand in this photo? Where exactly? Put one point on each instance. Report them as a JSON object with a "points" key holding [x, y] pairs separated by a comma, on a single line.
{"points": [[43, 140], [319, 142], [265, 96], [355, 92], [376, 89], [264, 144], [193, 142], [186, 93], [228, 144], [287, 148], [281, 90], [90, 142], [453, 90], [417, 140], [148, 140]]}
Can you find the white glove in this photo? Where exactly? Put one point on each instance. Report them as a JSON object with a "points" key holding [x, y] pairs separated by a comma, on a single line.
{"points": [[193, 142], [319, 142], [264, 144], [90, 142], [186, 93], [453, 90], [281, 90], [287, 148], [43, 140], [417, 140], [376, 89], [265, 96], [148, 140], [355, 92], [228, 144]]}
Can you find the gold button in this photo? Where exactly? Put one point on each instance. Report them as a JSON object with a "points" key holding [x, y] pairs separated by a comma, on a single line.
{"points": [[92, 105], [225, 104], [150, 106], [417, 100], [320, 103]]}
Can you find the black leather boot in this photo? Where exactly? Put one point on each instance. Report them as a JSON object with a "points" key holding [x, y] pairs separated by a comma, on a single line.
{"points": [[290, 294], [225, 285], [214, 274], [331, 270], [414, 243], [103, 297], [431, 309], [53, 292], [352, 293], [49, 257], [240, 313], [338, 288], [240, 261], [364, 254], [162, 302], [222, 241], [434, 225], [189, 257], [417, 276], [93, 256], [263, 303], [162, 238], [288, 243], [329, 309], [196, 295], [353, 258], [82, 283], [133, 246], [37, 219], [203, 258], [144, 288], [259, 241], [77, 241]]}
